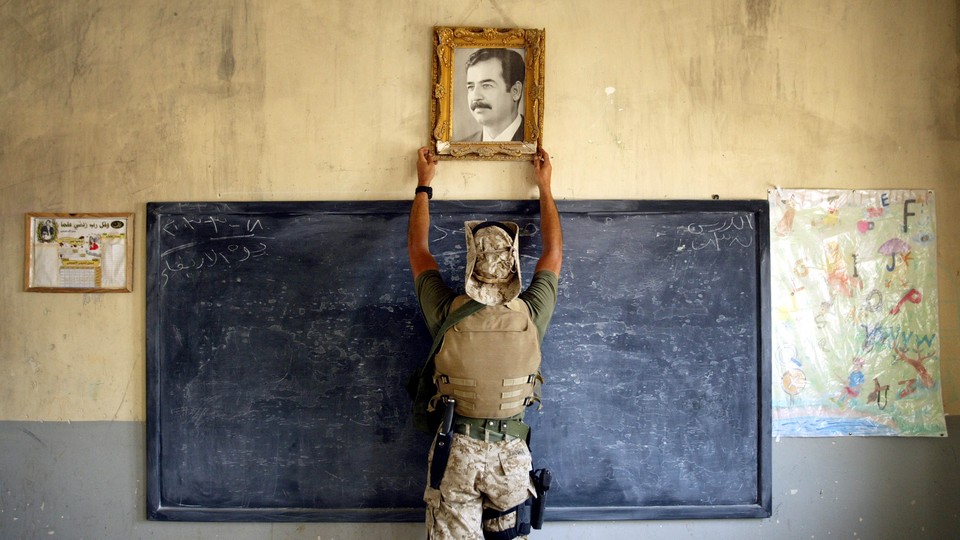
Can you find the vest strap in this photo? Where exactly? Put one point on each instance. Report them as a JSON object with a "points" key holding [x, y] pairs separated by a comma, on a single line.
{"points": [[446, 379], [462, 396], [519, 380], [512, 404]]}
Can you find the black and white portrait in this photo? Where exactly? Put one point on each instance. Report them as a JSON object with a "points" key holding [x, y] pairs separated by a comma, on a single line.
{"points": [[488, 94]]}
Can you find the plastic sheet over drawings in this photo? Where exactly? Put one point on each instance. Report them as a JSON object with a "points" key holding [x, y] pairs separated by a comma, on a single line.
{"points": [[855, 313]]}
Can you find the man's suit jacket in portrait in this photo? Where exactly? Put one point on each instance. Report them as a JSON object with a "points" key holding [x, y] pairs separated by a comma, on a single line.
{"points": [[478, 135]]}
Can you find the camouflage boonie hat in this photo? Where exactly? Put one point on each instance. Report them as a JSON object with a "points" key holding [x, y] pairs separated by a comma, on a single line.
{"points": [[493, 266]]}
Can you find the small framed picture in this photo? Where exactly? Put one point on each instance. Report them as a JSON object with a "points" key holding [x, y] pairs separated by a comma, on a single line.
{"points": [[488, 90], [78, 252]]}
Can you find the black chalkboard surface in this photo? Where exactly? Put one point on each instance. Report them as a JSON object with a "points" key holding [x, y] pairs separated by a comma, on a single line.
{"points": [[280, 335]]}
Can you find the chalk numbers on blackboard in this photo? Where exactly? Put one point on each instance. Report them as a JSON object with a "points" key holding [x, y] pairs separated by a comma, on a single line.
{"points": [[210, 242]]}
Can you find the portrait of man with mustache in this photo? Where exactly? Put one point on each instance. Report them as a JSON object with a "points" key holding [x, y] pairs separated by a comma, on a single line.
{"points": [[494, 92]]}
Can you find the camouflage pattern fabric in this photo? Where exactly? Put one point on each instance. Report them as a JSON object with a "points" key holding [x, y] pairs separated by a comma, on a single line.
{"points": [[479, 475]]}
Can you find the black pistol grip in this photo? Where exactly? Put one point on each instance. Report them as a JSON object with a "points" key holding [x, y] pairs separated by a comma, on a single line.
{"points": [[546, 478]]}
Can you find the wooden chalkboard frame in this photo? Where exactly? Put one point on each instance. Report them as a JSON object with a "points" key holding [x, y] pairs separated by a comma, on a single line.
{"points": [[159, 508]]}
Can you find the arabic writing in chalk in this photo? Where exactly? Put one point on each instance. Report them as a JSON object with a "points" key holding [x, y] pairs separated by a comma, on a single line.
{"points": [[208, 242], [735, 231]]}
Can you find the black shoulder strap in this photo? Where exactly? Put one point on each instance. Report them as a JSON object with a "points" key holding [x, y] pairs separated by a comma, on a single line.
{"points": [[461, 313]]}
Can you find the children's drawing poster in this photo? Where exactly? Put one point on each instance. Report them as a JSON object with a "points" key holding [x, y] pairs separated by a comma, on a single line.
{"points": [[78, 252], [856, 347]]}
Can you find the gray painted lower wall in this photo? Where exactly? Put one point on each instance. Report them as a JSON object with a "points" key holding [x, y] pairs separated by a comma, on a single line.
{"points": [[86, 481]]}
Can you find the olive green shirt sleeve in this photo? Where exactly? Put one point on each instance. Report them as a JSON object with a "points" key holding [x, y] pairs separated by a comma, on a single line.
{"points": [[541, 298], [435, 297]]}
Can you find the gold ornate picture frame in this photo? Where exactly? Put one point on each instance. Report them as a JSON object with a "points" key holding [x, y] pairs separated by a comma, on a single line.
{"points": [[475, 109], [78, 252]]}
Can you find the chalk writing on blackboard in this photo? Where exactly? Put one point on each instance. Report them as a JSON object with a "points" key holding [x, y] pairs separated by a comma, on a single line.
{"points": [[209, 241], [736, 230]]}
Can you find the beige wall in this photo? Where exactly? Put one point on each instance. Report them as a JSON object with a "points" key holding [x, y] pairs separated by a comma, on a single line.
{"points": [[107, 105]]}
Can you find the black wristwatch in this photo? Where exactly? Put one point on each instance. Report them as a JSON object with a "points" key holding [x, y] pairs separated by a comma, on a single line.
{"points": [[424, 189]]}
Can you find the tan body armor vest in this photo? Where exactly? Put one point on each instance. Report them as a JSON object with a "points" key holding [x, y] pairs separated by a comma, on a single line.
{"points": [[490, 361]]}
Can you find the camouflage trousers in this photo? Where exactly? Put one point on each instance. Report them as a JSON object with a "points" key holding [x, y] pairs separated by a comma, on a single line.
{"points": [[479, 475]]}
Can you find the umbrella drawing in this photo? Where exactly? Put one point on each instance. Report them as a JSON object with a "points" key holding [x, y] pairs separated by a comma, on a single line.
{"points": [[894, 247]]}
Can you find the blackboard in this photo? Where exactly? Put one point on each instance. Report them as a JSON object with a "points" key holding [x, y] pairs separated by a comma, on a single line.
{"points": [[280, 335]]}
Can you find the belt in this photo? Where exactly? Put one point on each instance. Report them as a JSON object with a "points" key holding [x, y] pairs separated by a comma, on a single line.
{"points": [[492, 429]]}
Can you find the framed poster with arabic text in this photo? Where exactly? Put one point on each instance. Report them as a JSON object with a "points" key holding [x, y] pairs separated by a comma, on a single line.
{"points": [[78, 252]]}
